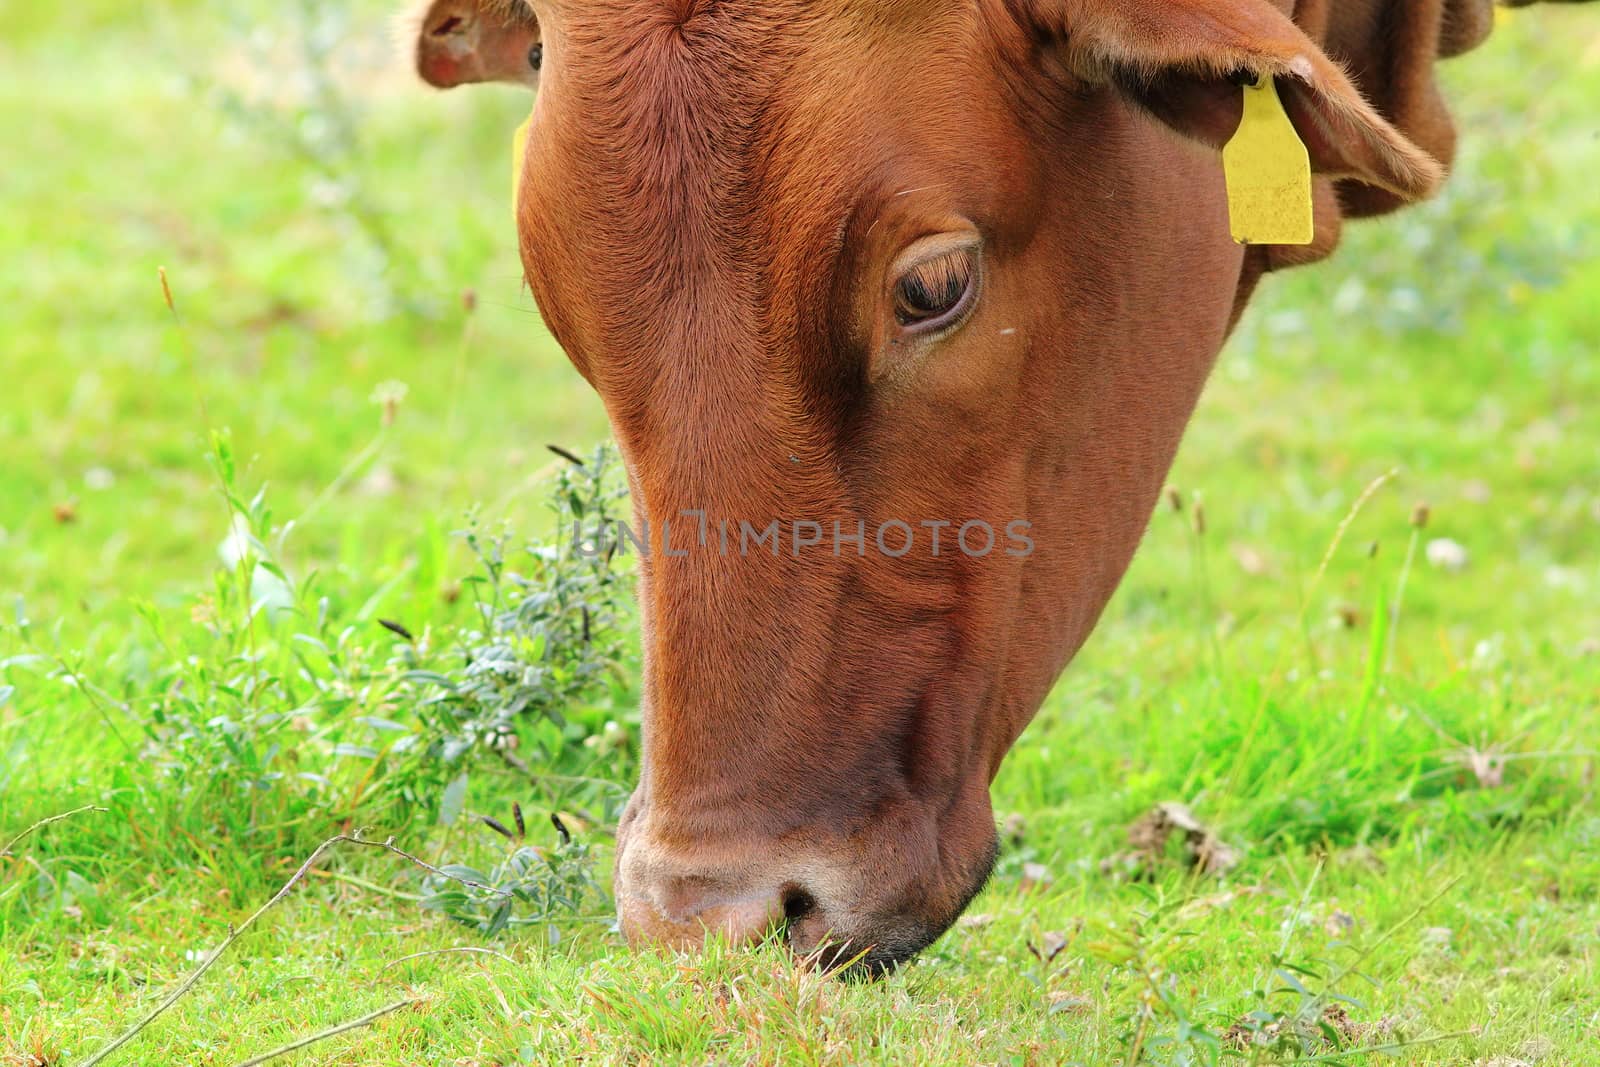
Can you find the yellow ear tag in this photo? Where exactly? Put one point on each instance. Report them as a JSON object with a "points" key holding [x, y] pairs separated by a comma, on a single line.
{"points": [[519, 149], [1269, 173]]}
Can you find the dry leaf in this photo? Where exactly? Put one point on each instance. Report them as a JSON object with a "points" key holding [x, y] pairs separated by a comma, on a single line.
{"points": [[1033, 875], [1051, 945], [1207, 853], [1250, 560], [1071, 1003], [1488, 766]]}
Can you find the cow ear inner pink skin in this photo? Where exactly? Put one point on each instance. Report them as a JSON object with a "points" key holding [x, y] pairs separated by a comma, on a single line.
{"points": [[463, 42]]}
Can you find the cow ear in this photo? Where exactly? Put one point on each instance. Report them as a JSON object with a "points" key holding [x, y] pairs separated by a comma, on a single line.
{"points": [[459, 42], [1184, 61]]}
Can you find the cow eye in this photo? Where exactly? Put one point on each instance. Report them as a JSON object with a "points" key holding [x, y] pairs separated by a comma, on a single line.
{"points": [[936, 291]]}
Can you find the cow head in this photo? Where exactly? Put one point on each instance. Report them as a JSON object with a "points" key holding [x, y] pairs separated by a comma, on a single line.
{"points": [[933, 286]]}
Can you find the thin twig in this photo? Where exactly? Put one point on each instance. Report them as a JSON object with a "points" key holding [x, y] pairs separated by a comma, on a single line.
{"points": [[234, 934], [373, 887], [216, 954], [46, 822], [342, 1028], [388, 845]]}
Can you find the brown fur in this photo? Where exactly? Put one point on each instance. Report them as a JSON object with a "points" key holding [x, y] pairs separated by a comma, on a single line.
{"points": [[712, 197]]}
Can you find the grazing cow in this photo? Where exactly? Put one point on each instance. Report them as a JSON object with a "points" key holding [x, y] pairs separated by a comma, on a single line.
{"points": [[852, 276]]}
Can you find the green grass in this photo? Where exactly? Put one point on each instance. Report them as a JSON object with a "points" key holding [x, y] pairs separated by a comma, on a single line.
{"points": [[1459, 909]]}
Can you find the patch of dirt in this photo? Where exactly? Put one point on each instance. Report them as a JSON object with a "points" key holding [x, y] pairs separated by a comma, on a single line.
{"points": [[1339, 923], [1334, 1030], [1203, 851]]}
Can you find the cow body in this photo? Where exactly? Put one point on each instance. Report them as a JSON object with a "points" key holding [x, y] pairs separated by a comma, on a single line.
{"points": [[847, 264]]}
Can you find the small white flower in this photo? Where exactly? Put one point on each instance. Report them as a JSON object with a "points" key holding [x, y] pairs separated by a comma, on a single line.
{"points": [[1447, 555]]}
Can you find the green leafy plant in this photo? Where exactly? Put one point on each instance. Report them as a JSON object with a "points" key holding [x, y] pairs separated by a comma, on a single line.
{"points": [[281, 711], [533, 679], [532, 885]]}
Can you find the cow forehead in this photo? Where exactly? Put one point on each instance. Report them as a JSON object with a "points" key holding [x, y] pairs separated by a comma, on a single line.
{"points": [[711, 76], [707, 167], [809, 14]]}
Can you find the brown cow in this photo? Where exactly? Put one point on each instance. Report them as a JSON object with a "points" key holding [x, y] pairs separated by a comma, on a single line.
{"points": [[857, 266]]}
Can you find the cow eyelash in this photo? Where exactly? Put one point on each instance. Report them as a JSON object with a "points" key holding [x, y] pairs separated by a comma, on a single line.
{"points": [[935, 293]]}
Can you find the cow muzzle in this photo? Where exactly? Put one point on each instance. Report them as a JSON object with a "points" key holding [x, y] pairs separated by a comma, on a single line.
{"points": [[867, 902], [676, 897]]}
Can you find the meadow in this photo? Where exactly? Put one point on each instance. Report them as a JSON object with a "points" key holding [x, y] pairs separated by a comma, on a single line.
{"points": [[274, 395]]}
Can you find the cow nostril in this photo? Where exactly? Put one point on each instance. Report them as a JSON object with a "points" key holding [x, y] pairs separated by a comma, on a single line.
{"points": [[797, 904]]}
